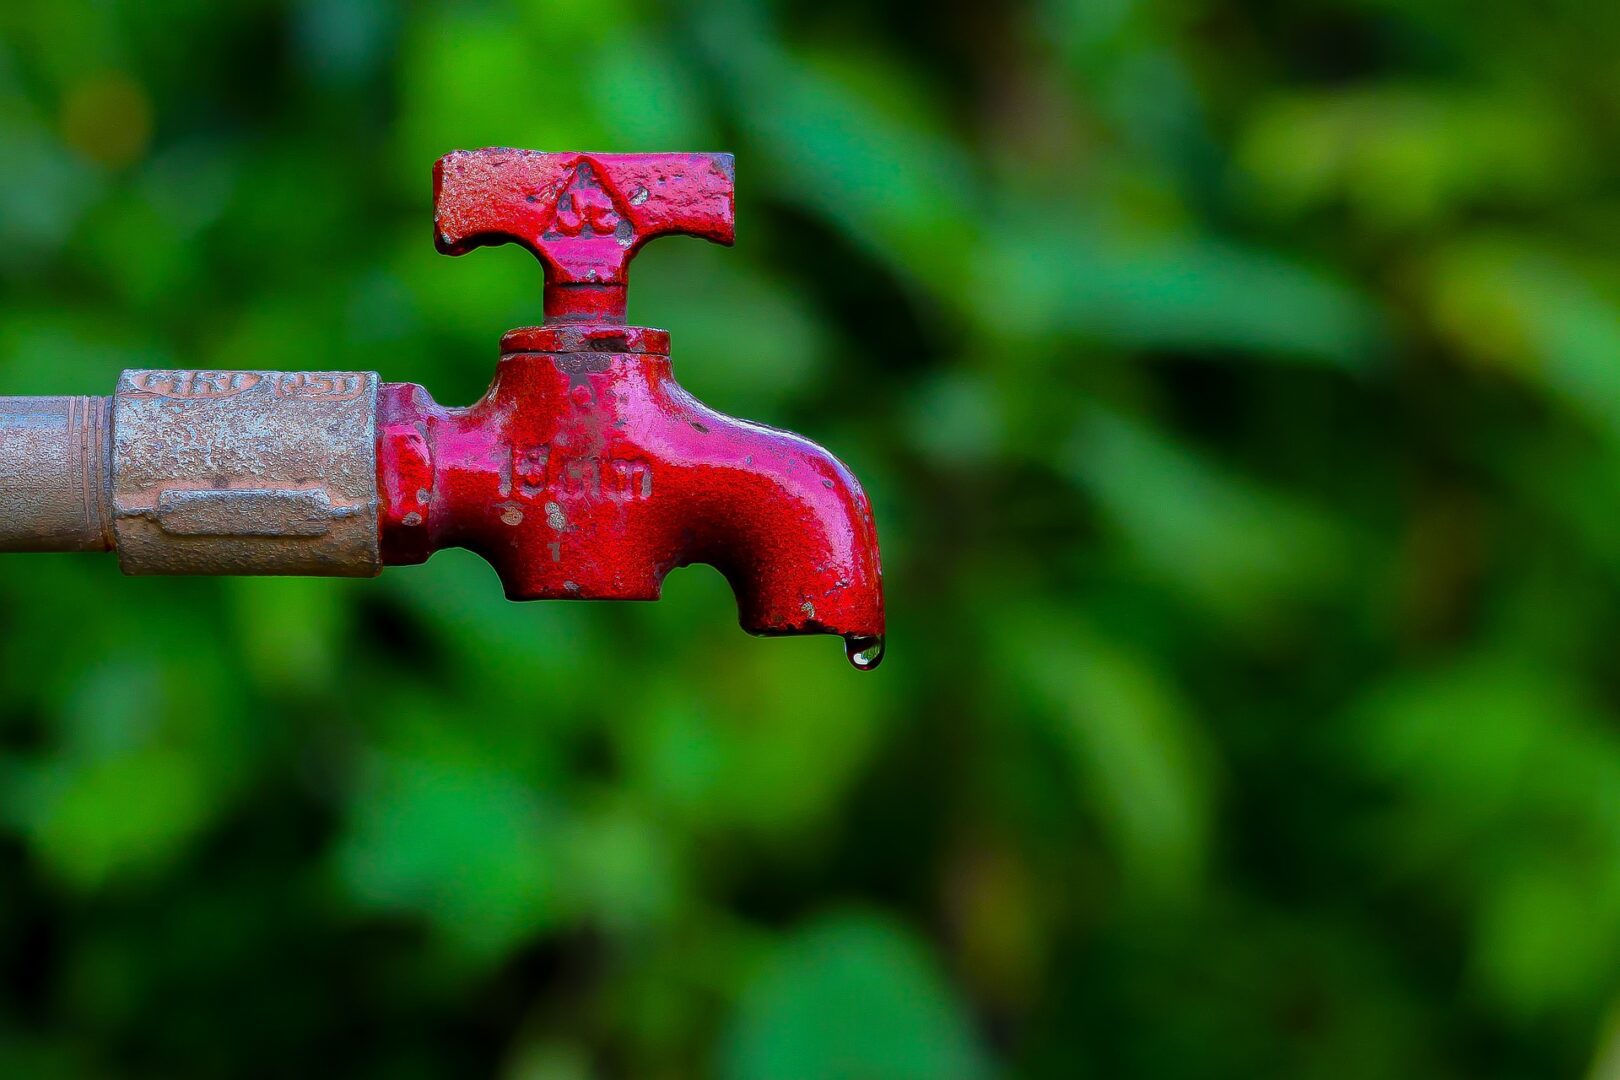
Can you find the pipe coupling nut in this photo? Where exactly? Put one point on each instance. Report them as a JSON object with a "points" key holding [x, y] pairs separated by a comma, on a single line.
{"points": [[246, 472]]}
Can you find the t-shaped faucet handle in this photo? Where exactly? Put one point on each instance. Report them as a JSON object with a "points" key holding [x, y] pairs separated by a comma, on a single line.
{"points": [[584, 215]]}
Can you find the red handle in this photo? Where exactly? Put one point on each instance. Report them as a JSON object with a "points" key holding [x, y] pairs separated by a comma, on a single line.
{"points": [[584, 215]]}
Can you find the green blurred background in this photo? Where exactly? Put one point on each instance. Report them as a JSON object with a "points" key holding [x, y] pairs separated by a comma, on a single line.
{"points": [[1238, 390]]}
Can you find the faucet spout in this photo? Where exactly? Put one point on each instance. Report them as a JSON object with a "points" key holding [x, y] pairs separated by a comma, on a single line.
{"points": [[586, 474], [784, 521]]}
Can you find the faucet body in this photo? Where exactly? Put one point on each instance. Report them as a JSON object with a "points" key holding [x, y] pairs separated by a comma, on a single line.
{"points": [[585, 471], [589, 473]]}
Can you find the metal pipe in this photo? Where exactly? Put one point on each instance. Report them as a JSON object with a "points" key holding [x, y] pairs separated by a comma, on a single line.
{"points": [[246, 472], [55, 474], [199, 472]]}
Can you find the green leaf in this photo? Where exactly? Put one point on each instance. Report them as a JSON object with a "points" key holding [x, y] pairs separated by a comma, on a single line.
{"points": [[469, 848], [1224, 540], [1131, 742], [851, 997]]}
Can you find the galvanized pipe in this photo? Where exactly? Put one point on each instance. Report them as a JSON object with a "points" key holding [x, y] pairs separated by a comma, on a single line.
{"points": [[55, 474], [199, 472], [246, 472]]}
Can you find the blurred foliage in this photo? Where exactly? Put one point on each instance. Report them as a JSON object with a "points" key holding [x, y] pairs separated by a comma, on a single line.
{"points": [[1238, 388]]}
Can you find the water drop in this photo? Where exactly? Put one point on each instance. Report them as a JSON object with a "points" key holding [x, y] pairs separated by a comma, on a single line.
{"points": [[864, 651]]}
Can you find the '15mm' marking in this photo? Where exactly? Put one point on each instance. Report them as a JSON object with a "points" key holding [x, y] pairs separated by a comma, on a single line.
{"points": [[540, 471]]}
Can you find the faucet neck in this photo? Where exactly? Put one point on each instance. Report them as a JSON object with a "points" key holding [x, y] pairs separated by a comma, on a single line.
{"points": [[585, 302]]}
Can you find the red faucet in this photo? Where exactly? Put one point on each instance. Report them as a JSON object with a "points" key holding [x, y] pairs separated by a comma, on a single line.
{"points": [[586, 471]]}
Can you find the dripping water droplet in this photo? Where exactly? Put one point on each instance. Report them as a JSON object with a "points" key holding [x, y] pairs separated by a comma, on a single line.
{"points": [[864, 651]]}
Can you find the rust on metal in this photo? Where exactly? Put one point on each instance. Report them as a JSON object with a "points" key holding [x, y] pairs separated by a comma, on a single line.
{"points": [[54, 474], [246, 472]]}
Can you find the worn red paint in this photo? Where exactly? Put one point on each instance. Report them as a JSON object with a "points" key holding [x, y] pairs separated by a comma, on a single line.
{"points": [[586, 471]]}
